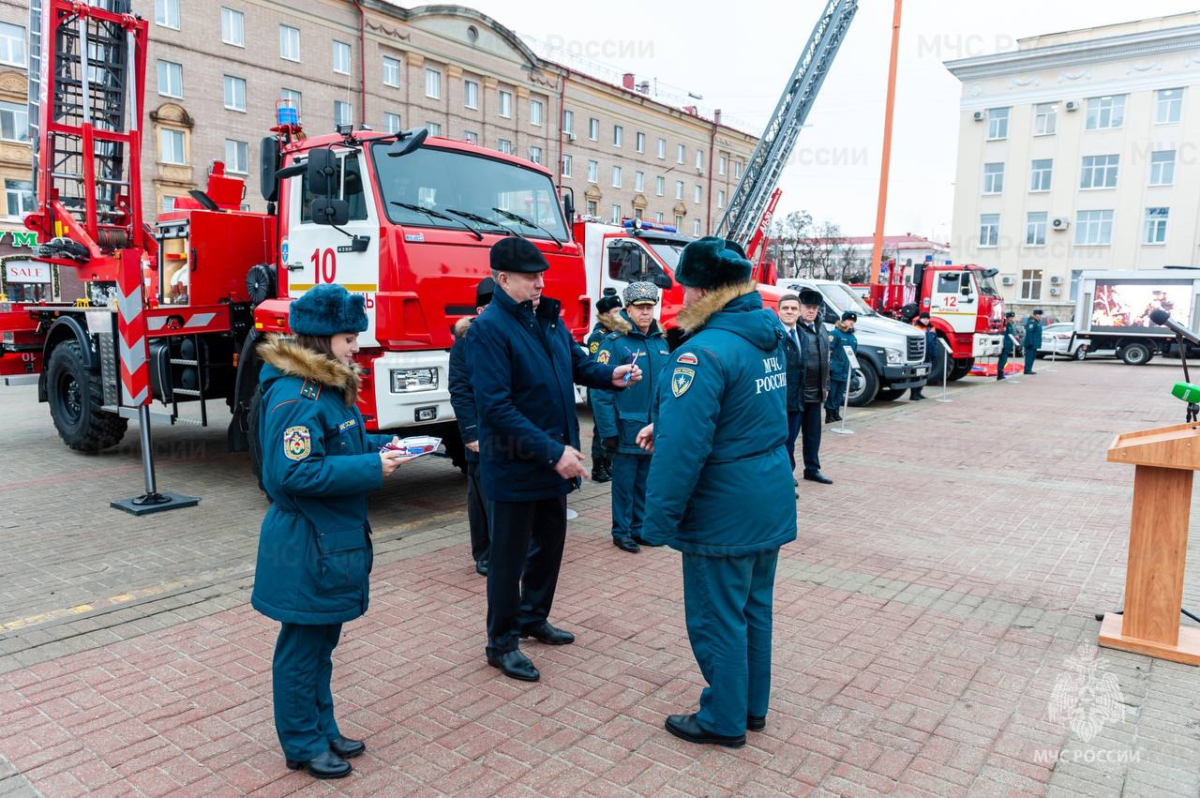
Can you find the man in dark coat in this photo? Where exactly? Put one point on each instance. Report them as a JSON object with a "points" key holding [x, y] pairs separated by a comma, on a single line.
{"points": [[1006, 347], [1032, 340], [923, 323], [813, 343], [788, 311], [462, 399], [608, 320], [524, 364]]}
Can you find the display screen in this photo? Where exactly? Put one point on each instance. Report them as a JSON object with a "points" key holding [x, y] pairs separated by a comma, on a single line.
{"points": [[1126, 307]]}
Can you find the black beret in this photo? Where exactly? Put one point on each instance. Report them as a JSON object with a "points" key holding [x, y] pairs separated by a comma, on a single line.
{"points": [[514, 254], [484, 291]]}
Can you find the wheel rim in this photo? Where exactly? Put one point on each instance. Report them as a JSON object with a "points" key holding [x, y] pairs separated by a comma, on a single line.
{"points": [[70, 398], [857, 385]]}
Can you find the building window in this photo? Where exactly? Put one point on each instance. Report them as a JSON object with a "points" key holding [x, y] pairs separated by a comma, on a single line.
{"points": [[505, 146], [535, 154], [993, 178], [289, 45], [391, 123], [170, 79], [680, 154], [568, 122], [721, 199], [1169, 106], [639, 181], [662, 148], [168, 204], [1076, 275], [535, 113], [699, 159], [341, 113], [593, 171], [616, 214], [594, 129], [737, 170], [233, 27], [235, 93], [695, 227], [506, 104], [658, 217], [593, 210], [618, 135], [1162, 168], [1155, 230], [721, 164], [1099, 171], [997, 123], [1035, 229], [341, 58], [292, 98], [391, 72], [566, 166], [435, 129], [1093, 228], [433, 83], [678, 222], [1045, 119], [616, 174], [696, 194], [678, 189], [640, 142], [1031, 284], [1039, 174], [989, 230], [14, 122], [12, 45], [18, 196], [471, 136], [237, 156], [170, 146], [660, 185], [470, 94], [1105, 113], [166, 13]]}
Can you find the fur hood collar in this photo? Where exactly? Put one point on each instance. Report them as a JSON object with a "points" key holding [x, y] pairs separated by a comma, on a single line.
{"points": [[615, 323], [293, 360], [696, 315], [462, 325]]}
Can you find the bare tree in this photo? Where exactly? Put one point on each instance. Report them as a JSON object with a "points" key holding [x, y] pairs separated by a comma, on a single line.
{"points": [[820, 249], [793, 232]]}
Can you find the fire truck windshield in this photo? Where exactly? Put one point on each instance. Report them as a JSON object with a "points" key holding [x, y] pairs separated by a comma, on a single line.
{"points": [[439, 180], [986, 283]]}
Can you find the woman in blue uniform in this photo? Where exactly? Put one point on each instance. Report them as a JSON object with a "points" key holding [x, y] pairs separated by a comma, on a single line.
{"points": [[314, 550]]}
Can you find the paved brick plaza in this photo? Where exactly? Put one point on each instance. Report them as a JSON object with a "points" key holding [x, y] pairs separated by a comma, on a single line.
{"points": [[934, 626]]}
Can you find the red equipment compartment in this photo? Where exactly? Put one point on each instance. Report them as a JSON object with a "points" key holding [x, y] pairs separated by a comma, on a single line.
{"points": [[220, 249]]}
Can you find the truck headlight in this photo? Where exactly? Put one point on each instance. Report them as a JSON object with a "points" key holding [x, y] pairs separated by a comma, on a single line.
{"points": [[411, 380], [894, 356]]}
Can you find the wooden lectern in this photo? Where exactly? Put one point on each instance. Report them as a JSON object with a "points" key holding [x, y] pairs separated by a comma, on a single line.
{"points": [[1162, 496]]}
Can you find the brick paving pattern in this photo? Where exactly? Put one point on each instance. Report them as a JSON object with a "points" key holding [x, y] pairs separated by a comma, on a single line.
{"points": [[938, 600]]}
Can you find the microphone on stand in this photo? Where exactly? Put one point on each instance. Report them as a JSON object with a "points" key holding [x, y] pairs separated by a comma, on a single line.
{"points": [[1163, 318], [1183, 390]]}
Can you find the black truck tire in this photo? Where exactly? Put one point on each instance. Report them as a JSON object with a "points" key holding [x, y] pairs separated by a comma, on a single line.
{"points": [[890, 394], [1136, 354], [863, 385], [256, 461], [960, 368], [75, 397]]}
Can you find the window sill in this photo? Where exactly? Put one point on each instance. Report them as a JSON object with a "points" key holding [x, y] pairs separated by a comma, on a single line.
{"points": [[1159, 185], [171, 96], [234, 44], [297, 61], [1107, 244], [1039, 191], [1154, 243], [238, 110]]}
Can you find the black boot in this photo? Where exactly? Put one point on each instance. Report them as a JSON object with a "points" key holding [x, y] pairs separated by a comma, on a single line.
{"points": [[599, 472], [832, 416]]}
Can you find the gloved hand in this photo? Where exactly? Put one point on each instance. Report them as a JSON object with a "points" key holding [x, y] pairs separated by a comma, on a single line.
{"points": [[609, 444]]}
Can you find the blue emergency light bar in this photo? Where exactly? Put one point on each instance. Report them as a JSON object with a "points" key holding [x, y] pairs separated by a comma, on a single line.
{"points": [[287, 115], [642, 224]]}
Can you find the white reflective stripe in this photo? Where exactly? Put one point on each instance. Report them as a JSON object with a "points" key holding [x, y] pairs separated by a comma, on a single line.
{"points": [[200, 320], [134, 357], [130, 93], [156, 322], [131, 305], [138, 400]]}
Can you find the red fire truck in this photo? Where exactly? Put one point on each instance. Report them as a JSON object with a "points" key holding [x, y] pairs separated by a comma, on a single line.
{"points": [[403, 219], [962, 301]]}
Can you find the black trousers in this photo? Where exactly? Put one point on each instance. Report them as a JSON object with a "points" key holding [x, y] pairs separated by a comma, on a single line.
{"points": [[526, 553], [810, 434], [793, 433], [477, 515]]}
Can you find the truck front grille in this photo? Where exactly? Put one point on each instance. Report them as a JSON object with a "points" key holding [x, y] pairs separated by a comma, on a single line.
{"points": [[916, 349]]}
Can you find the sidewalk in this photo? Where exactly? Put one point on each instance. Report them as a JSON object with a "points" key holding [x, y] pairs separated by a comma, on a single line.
{"points": [[933, 627]]}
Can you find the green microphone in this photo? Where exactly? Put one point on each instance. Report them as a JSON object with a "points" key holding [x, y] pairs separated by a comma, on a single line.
{"points": [[1186, 391]]}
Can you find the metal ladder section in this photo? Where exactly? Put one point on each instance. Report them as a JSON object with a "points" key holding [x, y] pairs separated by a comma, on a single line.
{"points": [[35, 81], [92, 71], [201, 365], [761, 176]]}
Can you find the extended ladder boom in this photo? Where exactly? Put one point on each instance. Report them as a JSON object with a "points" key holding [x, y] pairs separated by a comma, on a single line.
{"points": [[762, 173]]}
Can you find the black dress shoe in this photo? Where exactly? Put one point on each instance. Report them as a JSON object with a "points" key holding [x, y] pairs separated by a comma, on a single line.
{"points": [[686, 727], [1001, 378], [627, 544], [795, 482], [347, 748], [325, 765], [514, 665], [481, 567], [600, 474], [545, 633], [756, 722], [817, 476], [642, 542], [1031, 372]]}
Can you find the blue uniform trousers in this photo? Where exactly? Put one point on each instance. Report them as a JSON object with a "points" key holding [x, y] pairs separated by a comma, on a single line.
{"points": [[728, 603], [300, 675], [526, 552], [837, 395], [629, 475], [1030, 356], [1001, 362], [477, 517]]}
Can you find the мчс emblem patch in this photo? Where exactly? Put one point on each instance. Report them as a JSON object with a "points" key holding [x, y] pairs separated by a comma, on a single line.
{"points": [[602, 357], [687, 359], [681, 380], [595, 347], [297, 443]]}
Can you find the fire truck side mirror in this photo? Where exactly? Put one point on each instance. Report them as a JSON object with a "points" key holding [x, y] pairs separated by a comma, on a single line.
{"points": [[330, 211], [321, 172], [663, 281], [268, 165]]}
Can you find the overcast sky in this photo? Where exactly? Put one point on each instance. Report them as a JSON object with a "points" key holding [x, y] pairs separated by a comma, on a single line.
{"points": [[739, 55]]}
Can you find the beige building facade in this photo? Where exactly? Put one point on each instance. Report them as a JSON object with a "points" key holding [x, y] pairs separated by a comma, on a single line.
{"points": [[217, 70], [1078, 151]]}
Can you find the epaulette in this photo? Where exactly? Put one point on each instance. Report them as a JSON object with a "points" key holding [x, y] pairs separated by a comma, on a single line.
{"points": [[311, 390]]}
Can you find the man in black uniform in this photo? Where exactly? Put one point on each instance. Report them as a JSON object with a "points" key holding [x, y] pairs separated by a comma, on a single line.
{"points": [[524, 364], [813, 343], [462, 399]]}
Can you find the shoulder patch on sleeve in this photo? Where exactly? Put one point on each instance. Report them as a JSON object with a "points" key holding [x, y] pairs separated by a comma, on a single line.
{"points": [[297, 443], [595, 347], [687, 359], [681, 380], [602, 357]]}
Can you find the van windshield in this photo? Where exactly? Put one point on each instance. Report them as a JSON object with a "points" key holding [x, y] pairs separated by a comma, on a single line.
{"points": [[843, 298], [447, 181]]}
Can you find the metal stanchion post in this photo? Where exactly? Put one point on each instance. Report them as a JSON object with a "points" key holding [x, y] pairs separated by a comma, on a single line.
{"points": [[1053, 356], [846, 399], [945, 369]]}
